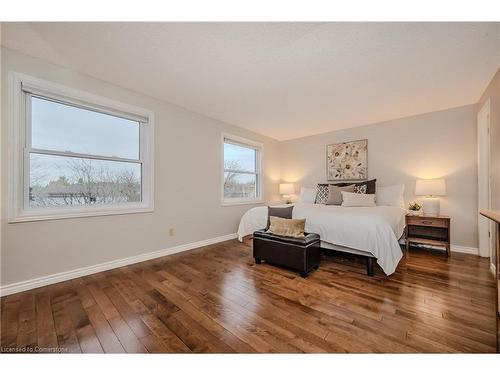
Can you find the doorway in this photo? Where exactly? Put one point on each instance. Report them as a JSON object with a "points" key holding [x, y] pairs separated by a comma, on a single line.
{"points": [[485, 227]]}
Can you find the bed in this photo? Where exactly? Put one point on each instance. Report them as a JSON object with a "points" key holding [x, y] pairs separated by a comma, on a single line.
{"points": [[368, 231]]}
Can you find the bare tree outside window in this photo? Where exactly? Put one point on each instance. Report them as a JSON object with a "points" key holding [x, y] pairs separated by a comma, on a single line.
{"points": [[238, 185], [61, 181], [240, 172]]}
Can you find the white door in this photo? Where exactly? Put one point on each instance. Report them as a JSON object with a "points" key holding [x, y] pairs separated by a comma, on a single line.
{"points": [[484, 191]]}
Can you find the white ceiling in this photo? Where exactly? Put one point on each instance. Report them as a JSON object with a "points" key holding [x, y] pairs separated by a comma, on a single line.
{"points": [[283, 80]]}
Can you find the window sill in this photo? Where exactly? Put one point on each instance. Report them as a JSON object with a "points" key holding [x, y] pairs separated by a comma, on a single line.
{"points": [[241, 203], [29, 217]]}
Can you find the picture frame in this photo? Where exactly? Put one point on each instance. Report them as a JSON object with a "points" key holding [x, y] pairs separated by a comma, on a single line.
{"points": [[347, 161]]}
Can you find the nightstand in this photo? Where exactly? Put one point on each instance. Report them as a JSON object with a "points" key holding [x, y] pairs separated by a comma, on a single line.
{"points": [[428, 230]]}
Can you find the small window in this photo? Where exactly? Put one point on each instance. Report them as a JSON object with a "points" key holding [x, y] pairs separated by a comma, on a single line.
{"points": [[241, 171], [79, 157]]}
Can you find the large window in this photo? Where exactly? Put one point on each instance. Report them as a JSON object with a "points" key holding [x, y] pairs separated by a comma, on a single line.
{"points": [[79, 155], [241, 171]]}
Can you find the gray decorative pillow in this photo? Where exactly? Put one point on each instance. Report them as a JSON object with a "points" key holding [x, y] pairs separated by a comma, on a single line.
{"points": [[335, 194], [360, 189], [282, 212], [321, 194]]}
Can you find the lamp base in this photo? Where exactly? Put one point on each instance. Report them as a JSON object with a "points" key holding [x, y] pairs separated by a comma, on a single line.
{"points": [[431, 206]]}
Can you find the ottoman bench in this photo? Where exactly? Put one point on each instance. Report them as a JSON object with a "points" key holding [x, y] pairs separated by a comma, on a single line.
{"points": [[300, 254]]}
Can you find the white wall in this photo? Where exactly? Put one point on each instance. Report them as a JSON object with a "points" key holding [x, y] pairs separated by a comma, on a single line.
{"points": [[432, 145], [187, 188]]}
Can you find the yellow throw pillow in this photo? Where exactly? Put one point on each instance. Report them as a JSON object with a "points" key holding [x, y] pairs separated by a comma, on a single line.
{"points": [[287, 227]]}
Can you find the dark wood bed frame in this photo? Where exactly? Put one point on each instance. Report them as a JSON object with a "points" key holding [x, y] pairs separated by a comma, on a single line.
{"points": [[369, 259]]}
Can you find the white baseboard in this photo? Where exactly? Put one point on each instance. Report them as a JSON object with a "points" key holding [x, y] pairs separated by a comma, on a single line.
{"points": [[453, 248], [21, 286], [465, 249]]}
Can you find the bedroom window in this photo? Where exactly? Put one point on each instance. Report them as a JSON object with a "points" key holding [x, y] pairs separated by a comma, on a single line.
{"points": [[76, 154], [241, 177]]}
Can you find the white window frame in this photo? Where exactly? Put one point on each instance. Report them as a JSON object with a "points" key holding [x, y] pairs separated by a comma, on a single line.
{"points": [[21, 88], [259, 148]]}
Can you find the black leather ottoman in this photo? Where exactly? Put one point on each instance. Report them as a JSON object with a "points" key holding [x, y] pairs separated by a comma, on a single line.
{"points": [[299, 254]]}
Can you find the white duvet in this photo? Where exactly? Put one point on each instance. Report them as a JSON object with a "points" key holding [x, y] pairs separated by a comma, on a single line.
{"points": [[375, 230]]}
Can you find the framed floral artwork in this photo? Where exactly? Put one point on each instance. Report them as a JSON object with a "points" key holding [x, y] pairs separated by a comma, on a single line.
{"points": [[347, 161]]}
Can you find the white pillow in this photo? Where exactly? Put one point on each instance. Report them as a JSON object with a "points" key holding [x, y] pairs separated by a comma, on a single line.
{"points": [[307, 195], [357, 200], [390, 196]]}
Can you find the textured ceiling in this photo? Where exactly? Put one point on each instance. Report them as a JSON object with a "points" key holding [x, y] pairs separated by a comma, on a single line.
{"points": [[283, 80]]}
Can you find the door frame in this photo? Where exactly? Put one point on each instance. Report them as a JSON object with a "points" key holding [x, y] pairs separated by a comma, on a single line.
{"points": [[486, 175]]}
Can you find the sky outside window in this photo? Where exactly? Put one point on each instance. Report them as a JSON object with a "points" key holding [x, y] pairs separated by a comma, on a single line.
{"points": [[238, 157], [61, 127]]}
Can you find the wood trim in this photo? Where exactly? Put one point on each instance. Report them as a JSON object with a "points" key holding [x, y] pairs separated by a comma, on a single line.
{"points": [[493, 215]]}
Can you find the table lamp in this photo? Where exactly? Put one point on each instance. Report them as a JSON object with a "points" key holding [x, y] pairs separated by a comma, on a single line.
{"points": [[431, 189], [287, 190]]}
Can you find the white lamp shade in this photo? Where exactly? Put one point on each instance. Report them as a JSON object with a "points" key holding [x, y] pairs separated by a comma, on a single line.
{"points": [[430, 187], [286, 189]]}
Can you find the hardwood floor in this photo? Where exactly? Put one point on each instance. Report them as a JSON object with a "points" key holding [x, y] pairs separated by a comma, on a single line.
{"points": [[215, 299]]}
